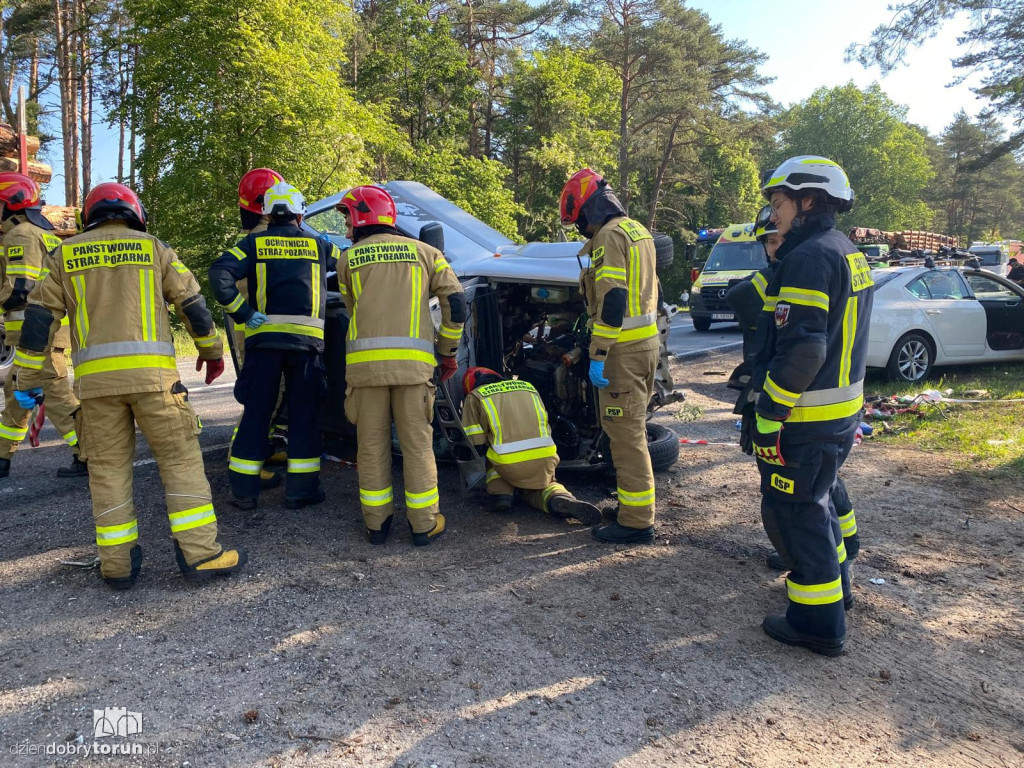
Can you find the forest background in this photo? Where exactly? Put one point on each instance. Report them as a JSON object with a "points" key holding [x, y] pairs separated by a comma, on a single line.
{"points": [[494, 104]]}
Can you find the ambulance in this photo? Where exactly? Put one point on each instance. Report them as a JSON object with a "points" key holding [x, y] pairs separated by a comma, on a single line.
{"points": [[735, 255]]}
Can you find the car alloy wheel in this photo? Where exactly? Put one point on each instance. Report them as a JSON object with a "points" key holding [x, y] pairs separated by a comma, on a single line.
{"points": [[914, 360]]}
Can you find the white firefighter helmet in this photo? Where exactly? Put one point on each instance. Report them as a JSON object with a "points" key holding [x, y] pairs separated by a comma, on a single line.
{"points": [[806, 172], [283, 198]]}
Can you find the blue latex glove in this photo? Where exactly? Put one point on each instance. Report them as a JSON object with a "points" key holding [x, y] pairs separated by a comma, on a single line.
{"points": [[257, 319], [29, 399], [597, 374]]}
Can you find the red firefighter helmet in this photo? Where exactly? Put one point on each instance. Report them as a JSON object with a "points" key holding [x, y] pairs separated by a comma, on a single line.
{"points": [[580, 187], [253, 185], [110, 198], [369, 205], [17, 191], [469, 380]]}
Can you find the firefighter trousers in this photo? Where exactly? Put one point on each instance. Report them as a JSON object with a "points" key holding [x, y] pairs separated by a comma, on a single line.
{"points": [[371, 409], [257, 389], [800, 520], [623, 408], [534, 479], [171, 428], [844, 507], [61, 405]]}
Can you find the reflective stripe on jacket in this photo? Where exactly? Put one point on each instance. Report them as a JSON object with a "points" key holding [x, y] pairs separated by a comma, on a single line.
{"points": [[25, 246], [114, 283], [387, 282]]}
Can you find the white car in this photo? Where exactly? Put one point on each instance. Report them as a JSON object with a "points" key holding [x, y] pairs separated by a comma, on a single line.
{"points": [[924, 317]]}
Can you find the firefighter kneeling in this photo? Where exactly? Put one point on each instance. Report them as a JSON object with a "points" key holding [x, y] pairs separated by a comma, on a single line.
{"points": [[509, 419], [113, 281]]}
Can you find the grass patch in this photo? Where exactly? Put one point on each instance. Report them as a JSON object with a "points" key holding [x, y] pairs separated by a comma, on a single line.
{"points": [[983, 435], [689, 412], [185, 347]]}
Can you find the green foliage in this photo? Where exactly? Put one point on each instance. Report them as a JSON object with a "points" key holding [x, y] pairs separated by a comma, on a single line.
{"points": [[235, 84], [555, 123], [866, 133]]}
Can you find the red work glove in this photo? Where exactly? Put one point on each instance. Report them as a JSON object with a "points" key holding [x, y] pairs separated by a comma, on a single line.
{"points": [[214, 368], [448, 366]]}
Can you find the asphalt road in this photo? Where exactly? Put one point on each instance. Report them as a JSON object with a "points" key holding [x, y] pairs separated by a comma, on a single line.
{"points": [[32, 469]]}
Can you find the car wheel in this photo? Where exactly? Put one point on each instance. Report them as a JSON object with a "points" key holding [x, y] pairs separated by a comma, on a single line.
{"points": [[664, 251], [912, 358], [663, 445], [6, 361], [702, 324]]}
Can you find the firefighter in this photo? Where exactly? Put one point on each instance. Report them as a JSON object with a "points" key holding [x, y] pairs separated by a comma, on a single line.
{"points": [[113, 280], [509, 420], [621, 291], [27, 238], [387, 281], [286, 270], [747, 299], [810, 375], [251, 189]]}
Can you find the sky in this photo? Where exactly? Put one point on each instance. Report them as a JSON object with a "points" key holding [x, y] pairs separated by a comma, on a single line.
{"points": [[805, 41]]}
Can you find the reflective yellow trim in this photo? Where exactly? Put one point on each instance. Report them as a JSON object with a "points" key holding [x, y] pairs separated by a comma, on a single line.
{"points": [[125, 363], [206, 341], [770, 302], [112, 535], [23, 270], [848, 524], [14, 434], [606, 331], [520, 456], [805, 297], [234, 304], [187, 519], [81, 313], [301, 330], [849, 333], [71, 438], [450, 333], [14, 325], [261, 287], [808, 413], [421, 500], [760, 285], [238, 253], [303, 465], [492, 475], [542, 416], [65, 321], [551, 490], [376, 498], [357, 289], [634, 288], [244, 466], [778, 394], [492, 419], [815, 594], [473, 429], [28, 360], [387, 355], [636, 498], [841, 552], [415, 304], [315, 312], [610, 273], [635, 334], [178, 267], [440, 265]]}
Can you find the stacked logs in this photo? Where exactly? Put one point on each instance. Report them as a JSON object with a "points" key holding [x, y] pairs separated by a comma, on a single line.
{"points": [[62, 217]]}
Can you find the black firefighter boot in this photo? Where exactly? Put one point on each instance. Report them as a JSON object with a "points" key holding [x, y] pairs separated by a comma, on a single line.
{"points": [[78, 468], [378, 538], [615, 533], [126, 582], [778, 628], [569, 506]]}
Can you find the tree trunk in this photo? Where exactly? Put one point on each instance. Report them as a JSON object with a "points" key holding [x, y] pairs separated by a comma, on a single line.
{"points": [[659, 177], [85, 90]]}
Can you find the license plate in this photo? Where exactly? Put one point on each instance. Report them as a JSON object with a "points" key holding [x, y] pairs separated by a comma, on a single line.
{"points": [[723, 316]]}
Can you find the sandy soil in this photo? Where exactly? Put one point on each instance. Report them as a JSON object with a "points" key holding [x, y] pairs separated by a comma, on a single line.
{"points": [[519, 641]]}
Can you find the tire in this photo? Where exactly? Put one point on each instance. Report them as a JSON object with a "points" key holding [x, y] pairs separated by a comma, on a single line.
{"points": [[701, 323], [912, 358], [664, 251], [663, 445], [6, 361]]}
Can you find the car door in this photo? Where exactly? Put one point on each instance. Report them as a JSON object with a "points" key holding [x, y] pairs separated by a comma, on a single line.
{"points": [[1004, 310], [957, 321]]}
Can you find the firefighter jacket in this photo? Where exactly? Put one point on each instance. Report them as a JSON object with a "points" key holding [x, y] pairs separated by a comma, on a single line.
{"points": [[810, 370], [620, 286], [387, 281], [114, 283], [286, 269], [510, 418], [243, 284], [25, 245]]}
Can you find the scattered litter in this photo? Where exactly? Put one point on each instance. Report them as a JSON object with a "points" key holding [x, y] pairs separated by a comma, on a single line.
{"points": [[876, 581], [87, 562], [714, 373], [336, 460], [1000, 442], [866, 429], [359, 576], [689, 412], [688, 441]]}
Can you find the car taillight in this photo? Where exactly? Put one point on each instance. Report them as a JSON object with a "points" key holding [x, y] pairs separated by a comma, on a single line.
{"points": [[694, 274]]}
